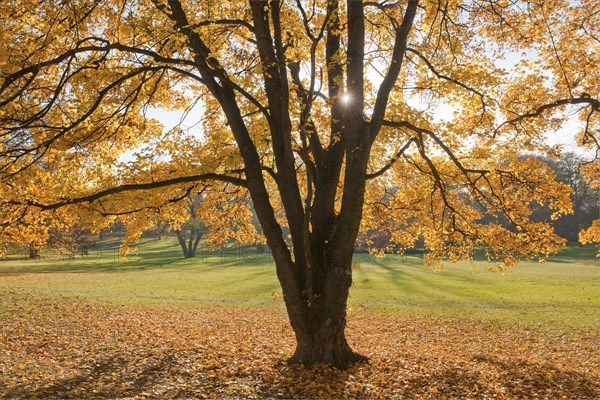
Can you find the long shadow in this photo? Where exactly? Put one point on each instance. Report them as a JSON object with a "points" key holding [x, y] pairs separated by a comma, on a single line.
{"points": [[395, 274], [400, 278], [94, 380], [517, 380], [409, 280], [569, 259], [86, 265]]}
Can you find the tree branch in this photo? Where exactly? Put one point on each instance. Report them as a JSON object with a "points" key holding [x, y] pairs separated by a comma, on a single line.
{"points": [[394, 70], [447, 78], [393, 160], [34, 69], [238, 22], [437, 140], [133, 187], [584, 99]]}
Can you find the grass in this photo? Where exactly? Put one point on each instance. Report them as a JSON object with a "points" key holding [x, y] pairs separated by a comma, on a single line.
{"points": [[562, 293]]}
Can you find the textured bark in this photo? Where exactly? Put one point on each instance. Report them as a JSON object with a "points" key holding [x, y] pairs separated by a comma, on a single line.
{"points": [[320, 327], [325, 343]]}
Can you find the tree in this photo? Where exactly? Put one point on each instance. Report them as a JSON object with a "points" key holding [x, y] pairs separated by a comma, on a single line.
{"points": [[72, 241], [591, 170], [190, 233], [568, 169], [312, 108]]}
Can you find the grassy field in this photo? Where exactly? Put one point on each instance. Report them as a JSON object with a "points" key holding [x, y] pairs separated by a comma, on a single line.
{"points": [[563, 292], [158, 326]]}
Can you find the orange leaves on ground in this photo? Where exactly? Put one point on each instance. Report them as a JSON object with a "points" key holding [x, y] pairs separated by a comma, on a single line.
{"points": [[72, 348]]}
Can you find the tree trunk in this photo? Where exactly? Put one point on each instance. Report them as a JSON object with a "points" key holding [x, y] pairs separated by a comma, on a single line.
{"points": [[188, 251], [320, 328], [34, 251], [323, 340], [325, 345]]}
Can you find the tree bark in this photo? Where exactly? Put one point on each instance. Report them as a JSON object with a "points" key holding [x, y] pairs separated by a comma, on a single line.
{"points": [[326, 343], [320, 327]]}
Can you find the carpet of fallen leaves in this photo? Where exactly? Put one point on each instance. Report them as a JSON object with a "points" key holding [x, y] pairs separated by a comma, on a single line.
{"points": [[74, 348]]}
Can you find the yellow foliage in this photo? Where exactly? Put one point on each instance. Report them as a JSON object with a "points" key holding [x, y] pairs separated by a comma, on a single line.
{"points": [[86, 88]]}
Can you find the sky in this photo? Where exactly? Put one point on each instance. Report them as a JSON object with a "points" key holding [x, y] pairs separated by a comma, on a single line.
{"points": [[564, 136]]}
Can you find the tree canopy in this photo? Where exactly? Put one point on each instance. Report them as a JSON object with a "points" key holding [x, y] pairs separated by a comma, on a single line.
{"points": [[332, 116]]}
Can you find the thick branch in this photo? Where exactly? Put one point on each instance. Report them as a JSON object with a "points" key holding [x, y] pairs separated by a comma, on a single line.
{"points": [[306, 125], [270, 48], [34, 69], [354, 107], [562, 102], [134, 187], [16, 153], [394, 70], [393, 160]]}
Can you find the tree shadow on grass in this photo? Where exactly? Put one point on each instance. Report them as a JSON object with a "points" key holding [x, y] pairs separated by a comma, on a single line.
{"points": [[521, 377], [518, 379], [498, 379], [107, 263]]}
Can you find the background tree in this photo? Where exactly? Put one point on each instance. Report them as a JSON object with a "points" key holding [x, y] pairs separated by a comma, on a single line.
{"points": [[312, 108], [591, 171], [585, 199], [74, 240], [219, 217], [190, 233]]}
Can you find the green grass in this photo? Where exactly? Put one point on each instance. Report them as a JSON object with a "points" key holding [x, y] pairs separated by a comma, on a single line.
{"points": [[158, 274], [563, 292]]}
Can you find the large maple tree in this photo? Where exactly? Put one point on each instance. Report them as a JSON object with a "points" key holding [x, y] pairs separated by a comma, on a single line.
{"points": [[333, 117]]}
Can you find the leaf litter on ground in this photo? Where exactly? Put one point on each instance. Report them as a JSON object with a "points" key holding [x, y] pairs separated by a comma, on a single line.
{"points": [[65, 347]]}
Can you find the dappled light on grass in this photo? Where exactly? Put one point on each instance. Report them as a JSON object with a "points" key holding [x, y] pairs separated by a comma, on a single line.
{"points": [[53, 347]]}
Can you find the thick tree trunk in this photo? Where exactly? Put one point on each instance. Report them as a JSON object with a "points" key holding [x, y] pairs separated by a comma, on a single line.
{"points": [[325, 345], [324, 341], [320, 328]]}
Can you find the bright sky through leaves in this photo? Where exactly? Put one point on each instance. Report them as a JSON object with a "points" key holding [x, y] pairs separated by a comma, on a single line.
{"points": [[78, 83]]}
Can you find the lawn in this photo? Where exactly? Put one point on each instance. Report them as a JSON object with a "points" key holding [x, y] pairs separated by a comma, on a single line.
{"points": [[155, 325], [563, 292]]}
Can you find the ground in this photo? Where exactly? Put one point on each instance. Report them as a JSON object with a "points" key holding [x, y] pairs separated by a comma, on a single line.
{"points": [[158, 327]]}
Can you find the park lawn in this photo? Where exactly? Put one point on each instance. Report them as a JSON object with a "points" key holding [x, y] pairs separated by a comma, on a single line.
{"points": [[158, 326], [563, 293]]}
